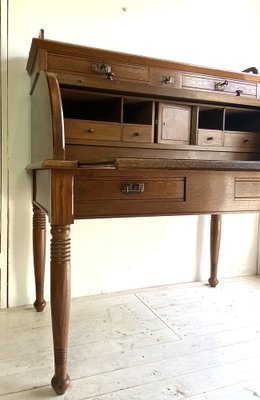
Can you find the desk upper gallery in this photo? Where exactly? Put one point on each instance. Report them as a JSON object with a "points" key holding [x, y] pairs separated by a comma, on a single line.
{"points": [[115, 135]]}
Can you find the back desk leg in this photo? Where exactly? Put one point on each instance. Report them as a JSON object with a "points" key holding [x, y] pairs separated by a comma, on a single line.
{"points": [[39, 247], [215, 235]]}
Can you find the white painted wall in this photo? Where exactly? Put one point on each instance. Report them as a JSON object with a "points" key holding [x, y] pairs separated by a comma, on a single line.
{"points": [[118, 254], [4, 158]]}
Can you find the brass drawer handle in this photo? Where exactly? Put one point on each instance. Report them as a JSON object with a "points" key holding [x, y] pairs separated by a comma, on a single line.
{"points": [[132, 188], [167, 79], [90, 130], [138, 133], [104, 69], [221, 85], [246, 141]]}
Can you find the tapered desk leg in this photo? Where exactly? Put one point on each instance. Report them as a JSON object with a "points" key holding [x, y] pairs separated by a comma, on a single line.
{"points": [[60, 303], [39, 247], [215, 235]]}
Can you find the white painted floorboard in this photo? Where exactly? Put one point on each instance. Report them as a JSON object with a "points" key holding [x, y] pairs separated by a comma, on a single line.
{"points": [[185, 341]]}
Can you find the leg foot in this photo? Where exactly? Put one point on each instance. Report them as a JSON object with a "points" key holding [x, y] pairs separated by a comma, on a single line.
{"points": [[39, 305], [213, 282], [60, 385], [215, 235]]}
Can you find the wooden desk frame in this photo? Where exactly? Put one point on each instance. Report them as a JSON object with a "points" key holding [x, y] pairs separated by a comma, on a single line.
{"points": [[148, 171]]}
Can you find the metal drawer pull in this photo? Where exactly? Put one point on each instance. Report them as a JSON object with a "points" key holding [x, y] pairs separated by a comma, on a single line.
{"points": [[90, 130], [246, 141], [138, 133], [167, 79], [221, 85], [104, 69], [132, 188], [110, 75], [210, 138]]}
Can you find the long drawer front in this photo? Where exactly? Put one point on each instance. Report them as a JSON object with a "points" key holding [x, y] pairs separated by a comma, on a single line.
{"points": [[111, 193], [109, 72]]}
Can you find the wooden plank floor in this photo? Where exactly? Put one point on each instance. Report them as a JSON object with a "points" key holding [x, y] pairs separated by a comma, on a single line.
{"points": [[174, 342]]}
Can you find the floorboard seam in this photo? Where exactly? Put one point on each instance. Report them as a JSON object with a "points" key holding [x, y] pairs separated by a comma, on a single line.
{"points": [[157, 316]]}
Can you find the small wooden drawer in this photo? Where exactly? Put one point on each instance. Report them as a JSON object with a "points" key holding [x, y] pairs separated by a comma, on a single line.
{"points": [[129, 188], [91, 130], [137, 133], [165, 78], [242, 139], [219, 85], [92, 67], [210, 137], [247, 189], [127, 195]]}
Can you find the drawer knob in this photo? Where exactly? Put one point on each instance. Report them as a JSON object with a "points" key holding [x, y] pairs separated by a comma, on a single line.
{"points": [[90, 130], [132, 188], [209, 138], [239, 92], [138, 133], [220, 86], [246, 141]]}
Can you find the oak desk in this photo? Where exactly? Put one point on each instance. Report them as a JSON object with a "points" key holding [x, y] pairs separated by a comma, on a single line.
{"points": [[118, 135]]}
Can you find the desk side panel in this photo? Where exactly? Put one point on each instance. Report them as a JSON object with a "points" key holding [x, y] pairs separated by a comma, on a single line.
{"points": [[42, 190], [47, 123], [53, 193]]}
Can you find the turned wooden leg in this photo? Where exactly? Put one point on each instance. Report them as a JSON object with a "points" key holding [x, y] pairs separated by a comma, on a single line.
{"points": [[215, 235], [39, 247], [60, 303]]}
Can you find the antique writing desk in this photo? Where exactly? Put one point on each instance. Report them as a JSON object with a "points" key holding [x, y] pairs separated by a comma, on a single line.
{"points": [[118, 135]]}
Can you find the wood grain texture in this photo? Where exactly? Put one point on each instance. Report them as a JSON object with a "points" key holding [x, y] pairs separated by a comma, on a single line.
{"points": [[41, 121], [62, 210], [60, 303], [48, 141]]}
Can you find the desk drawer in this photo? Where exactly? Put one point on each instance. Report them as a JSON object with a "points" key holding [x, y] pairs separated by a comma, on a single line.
{"points": [[247, 188], [165, 78], [242, 139], [137, 133], [125, 196], [219, 85], [92, 67], [91, 130], [131, 188], [208, 137]]}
